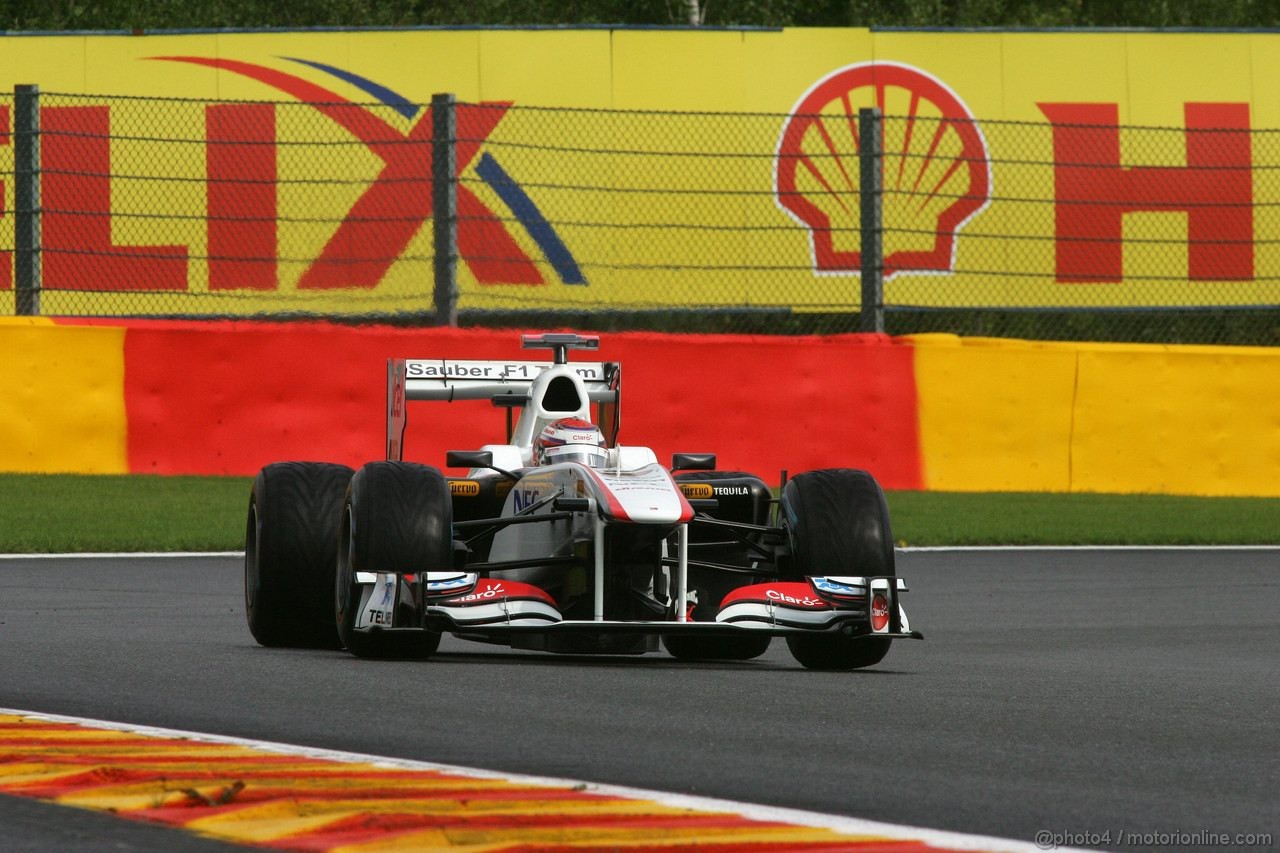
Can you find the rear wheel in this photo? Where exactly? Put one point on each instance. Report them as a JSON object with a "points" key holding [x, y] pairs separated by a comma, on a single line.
{"points": [[397, 518], [839, 525], [291, 536]]}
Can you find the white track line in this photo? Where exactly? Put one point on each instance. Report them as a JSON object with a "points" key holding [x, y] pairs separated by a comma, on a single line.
{"points": [[124, 555], [838, 823], [911, 549]]}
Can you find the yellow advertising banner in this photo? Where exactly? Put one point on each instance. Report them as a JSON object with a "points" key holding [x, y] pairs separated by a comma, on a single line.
{"points": [[245, 173]]}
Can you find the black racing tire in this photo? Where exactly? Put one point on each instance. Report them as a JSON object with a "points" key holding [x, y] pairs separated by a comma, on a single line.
{"points": [[839, 525], [291, 536], [397, 517], [716, 648]]}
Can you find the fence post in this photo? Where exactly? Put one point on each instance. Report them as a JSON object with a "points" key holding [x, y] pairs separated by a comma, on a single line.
{"points": [[444, 206], [26, 196], [870, 156]]}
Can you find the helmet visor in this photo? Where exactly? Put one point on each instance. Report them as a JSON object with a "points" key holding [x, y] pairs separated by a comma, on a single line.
{"points": [[585, 454]]}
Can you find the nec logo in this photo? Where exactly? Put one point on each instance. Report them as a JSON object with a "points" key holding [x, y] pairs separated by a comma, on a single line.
{"points": [[524, 498]]}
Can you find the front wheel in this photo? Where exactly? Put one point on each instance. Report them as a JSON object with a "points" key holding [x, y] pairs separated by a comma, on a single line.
{"points": [[839, 525], [397, 519]]}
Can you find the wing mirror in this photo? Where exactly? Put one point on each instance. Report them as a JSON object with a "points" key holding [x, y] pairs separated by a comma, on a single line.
{"points": [[693, 462], [475, 459], [469, 459]]}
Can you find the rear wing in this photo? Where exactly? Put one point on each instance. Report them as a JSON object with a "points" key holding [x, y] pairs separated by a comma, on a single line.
{"points": [[504, 383]]}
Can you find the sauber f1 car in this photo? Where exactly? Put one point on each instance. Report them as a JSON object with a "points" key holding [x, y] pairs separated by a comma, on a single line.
{"points": [[561, 539]]}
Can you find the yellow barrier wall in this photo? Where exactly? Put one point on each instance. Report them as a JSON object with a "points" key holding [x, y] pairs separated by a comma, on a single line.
{"points": [[1180, 420], [994, 416], [1150, 78], [61, 398], [1023, 416], [999, 75]]}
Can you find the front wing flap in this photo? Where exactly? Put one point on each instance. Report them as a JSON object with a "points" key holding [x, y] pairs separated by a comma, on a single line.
{"points": [[849, 606], [461, 602]]}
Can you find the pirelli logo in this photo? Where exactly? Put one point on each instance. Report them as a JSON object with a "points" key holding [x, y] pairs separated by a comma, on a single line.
{"points": [[464, 488], [696, 490]]}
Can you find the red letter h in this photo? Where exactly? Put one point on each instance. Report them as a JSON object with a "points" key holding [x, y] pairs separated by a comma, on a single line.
{"points": [[1093, 191]]}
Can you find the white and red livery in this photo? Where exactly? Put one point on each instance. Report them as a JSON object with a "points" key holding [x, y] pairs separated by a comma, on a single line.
{"points": [[562, 539]]}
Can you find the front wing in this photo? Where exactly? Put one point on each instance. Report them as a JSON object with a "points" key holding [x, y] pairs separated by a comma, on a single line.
{"points": [[848, 606]]}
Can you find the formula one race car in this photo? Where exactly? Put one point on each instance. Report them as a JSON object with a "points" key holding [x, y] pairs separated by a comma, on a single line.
{"points": [[563, 540]]}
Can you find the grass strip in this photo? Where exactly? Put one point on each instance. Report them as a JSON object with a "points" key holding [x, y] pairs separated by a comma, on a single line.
{"points": [[54, 513], [64, 513], [1040, 518]]}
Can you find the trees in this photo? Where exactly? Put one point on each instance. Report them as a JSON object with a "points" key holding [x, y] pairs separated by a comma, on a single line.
{"points": [[189, 14]]}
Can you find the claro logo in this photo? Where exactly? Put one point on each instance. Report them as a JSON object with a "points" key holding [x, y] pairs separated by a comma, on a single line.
{"points": [[936, 172], [879, 613], [807, 601], [493, 591]]}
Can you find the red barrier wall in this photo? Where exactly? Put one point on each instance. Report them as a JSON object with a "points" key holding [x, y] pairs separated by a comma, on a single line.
{"points": [[227, 398]]}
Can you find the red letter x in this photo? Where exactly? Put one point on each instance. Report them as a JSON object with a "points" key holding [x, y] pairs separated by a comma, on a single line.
{"points": [[385, 218]]}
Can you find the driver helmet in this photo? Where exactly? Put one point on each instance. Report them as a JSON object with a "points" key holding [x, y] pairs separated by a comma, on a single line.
{"points": [[570, 440]]}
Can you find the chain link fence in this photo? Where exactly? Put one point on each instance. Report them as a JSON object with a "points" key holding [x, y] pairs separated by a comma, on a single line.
{"points": [[180, 208], [1076, 227], [1090, 230]]}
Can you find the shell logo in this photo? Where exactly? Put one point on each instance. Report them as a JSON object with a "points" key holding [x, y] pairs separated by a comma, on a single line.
{"points": [[936, 173]]}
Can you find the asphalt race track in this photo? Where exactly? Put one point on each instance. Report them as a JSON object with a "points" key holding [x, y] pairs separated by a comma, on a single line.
{"points": [[1068, 691]]}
